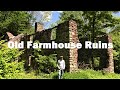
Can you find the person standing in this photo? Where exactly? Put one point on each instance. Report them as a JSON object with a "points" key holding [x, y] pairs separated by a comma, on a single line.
{"points": [[61, 67]]}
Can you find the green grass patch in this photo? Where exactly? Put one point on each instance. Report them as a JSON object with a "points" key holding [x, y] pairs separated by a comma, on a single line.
{"points": [[81, 74], [91, 74]]}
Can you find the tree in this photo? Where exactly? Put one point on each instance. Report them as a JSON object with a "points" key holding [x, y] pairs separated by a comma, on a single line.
{"points": [[91, 23], [9, 63], [98, 21], [76, 15], [115, 33], [14, 21], [41, 16]]}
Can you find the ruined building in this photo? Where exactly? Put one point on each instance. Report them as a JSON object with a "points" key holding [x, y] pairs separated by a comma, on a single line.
{"points": [[65, 33]]}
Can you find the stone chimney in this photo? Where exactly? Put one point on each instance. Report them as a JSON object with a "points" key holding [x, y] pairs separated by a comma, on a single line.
{"points": [[38, 27], [110, 56]]}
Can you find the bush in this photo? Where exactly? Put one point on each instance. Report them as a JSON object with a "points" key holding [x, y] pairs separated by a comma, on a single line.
{"points": [[116, 49], [46, 63], [9, 64]]}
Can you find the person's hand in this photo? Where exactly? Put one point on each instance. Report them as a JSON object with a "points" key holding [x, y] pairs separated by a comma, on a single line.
{"points": [[58, 67]]}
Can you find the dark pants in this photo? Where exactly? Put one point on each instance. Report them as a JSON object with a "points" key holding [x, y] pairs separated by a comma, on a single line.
{"points": [[61, 72]]}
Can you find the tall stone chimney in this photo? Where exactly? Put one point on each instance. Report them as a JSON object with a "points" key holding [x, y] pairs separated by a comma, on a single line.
{"points": [[38, 27], [67, 33], [110, 65]]}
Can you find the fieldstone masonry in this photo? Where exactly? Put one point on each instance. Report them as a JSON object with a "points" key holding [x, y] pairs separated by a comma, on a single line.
{"points": [[73, 58], [65, 33], [62, 36], [110, 65]]}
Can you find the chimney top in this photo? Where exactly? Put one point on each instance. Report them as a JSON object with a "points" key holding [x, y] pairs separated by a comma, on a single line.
{"points": [[38, 26]]}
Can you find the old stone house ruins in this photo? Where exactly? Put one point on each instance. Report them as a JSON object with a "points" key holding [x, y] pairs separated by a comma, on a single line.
{"points": [[65, 33]]}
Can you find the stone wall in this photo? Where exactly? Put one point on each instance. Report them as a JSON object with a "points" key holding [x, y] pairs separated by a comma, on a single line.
{"points": [[62, 36], [106, 55], [43, 36], [73, 58], [66, 33], [110, 56]]}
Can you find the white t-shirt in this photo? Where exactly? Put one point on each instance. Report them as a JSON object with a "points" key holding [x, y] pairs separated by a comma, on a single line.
{"points": [[61, 64]]}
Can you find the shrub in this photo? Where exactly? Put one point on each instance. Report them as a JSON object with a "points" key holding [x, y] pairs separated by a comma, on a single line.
{"points": [[9, 64], [46, 63]]}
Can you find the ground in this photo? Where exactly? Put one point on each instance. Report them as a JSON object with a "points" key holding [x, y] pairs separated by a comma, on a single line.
{"points": [[81, 74]]}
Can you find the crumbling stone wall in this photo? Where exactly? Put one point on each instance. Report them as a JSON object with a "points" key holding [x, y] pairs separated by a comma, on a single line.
{"points": [[84, 55], [106, 55], [43, 36], [66, 33], [62, 36]]}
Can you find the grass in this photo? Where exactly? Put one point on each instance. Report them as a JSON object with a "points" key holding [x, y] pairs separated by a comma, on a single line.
{"points": [[30, 75], [91, 74], [81, 74]]}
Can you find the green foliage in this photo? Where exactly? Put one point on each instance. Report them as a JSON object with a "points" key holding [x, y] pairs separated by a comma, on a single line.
{"points": [[90, 74], [76, 15], [90, 23], [116, 47], [14, 21], [67, 15], [82, 74], [44, 63], [96, 61], [53, 34], [24, 75], [9, 64]]}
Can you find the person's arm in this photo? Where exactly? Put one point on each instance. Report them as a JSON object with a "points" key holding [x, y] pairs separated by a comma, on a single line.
{"points": [[64, 65], [58, 66]]}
